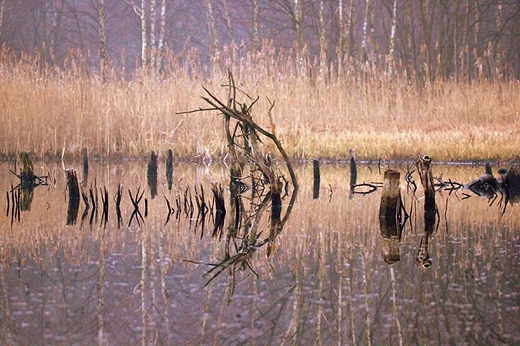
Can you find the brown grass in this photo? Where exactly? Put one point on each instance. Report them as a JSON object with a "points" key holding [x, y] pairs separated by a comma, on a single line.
{"points": [[49, 112]]}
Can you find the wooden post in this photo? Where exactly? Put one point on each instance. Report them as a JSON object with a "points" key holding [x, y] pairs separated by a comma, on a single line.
{"points": [[26, 171], [85, 164], [353, 172], [389, 214], [169, 169], [316, 173], [425, 173], [152, 174], [74, 196]]}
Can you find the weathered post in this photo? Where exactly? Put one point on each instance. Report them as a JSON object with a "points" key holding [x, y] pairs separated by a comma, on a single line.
{"points": [[74, 196], [430, 210], [389, 215], [353, 172], [425, 173], [85, 166], [152, 174], [316, 174], [169, 169]]}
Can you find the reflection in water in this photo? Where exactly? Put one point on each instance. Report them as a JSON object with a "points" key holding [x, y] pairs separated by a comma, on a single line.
{"points": [[325, 283]]}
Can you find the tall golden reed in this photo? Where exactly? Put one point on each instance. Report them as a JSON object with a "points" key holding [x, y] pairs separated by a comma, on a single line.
{"points": [[49, 111]]}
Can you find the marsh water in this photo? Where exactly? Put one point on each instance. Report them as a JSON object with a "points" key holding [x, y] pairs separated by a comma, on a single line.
{"points": [[162, 275]]}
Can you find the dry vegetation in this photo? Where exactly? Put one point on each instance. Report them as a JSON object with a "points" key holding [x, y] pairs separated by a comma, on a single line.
{"points": [[49, 112]]}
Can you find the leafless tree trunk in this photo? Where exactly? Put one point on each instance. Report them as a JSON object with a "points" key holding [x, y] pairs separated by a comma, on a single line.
{"points": [[58, 11], [256, 33], [341, 35], [162, 32], [102, 40], [144, 35], [351, 23], [498, 48], [298, 23], [2, 2], [153, 48], [212, 30], [392, 40], [366, 31], [229, 25], [323, 43]]}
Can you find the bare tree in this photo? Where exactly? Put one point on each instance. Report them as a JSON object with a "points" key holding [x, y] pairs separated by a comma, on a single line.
{"points": [[392, 40], [256, 33], [102, 40], [1, 17]]}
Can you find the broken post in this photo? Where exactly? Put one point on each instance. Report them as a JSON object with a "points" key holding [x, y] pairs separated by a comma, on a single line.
{"points": [[316, 174], [74, 196], [353, 172], [169, 169], [85, 166], [425, 173], [389, 216], [152, 174]]}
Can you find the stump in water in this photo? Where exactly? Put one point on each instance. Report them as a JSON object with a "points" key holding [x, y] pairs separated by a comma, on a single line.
{"points": [[353, 172], [74, 196], [169, 169], [390, 215], [316, 173], [85, 166], [152, 174], [425, 173], [26, 171]]}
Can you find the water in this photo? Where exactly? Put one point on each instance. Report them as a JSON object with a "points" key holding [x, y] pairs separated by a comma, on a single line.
{"points": [[153, 278]]}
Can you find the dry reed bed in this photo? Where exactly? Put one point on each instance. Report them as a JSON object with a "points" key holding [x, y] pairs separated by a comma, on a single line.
{"points": [[53, 112]]}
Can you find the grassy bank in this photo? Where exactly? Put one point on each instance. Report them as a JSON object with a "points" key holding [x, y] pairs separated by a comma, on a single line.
{"points": [[52, 112]]}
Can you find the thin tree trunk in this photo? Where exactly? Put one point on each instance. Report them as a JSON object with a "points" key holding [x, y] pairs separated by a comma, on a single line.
{"points": [[323, 43], [102, 40], [341, 35], [153, 47], [58, 10], [144, 36], [298, 23], [392, 40], [162, 32], [256, 33], [212, 30], [350, 25], [466, 44], [498, 55], [366, 31], [2, 2], [228, 22]]}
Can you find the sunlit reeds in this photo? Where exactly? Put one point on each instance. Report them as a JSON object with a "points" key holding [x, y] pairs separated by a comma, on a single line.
{"points": [[50, 111]]}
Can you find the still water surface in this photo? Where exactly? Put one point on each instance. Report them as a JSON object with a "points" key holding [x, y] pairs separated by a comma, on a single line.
{"points": [[141, 281]]}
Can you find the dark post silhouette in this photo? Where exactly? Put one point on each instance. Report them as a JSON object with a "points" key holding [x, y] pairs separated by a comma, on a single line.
{"points": [[316, 174], [389, 216], [74, 196]]}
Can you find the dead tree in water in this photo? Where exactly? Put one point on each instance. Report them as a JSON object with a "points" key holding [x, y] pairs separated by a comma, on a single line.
{"points": [[248, 160]]}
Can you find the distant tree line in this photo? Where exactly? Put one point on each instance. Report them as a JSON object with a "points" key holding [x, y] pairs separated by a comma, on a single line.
{"points": [[427, 39]]}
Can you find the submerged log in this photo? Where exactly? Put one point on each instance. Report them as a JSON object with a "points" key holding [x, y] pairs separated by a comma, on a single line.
{"points": [[389, 216]]}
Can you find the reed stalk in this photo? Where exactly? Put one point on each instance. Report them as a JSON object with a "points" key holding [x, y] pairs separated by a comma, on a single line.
{"points": [[50, 111]]}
